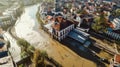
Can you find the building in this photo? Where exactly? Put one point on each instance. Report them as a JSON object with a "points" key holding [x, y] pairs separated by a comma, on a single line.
{"points": [[116, 1], [116, 23], [14, 11], [6, 16], [58, 27], [115, 62], [113, 35], [10, 15], [5, 58], [5, 20], [79, 36]]}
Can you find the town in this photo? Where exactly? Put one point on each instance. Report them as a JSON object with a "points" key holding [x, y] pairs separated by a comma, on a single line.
{"points": [[60, 33]]}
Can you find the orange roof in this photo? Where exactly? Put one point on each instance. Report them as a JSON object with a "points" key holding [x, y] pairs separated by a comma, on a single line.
{"points": [[117, 58], [111, 25], [57, 27], [59, 19], [49, 17]]}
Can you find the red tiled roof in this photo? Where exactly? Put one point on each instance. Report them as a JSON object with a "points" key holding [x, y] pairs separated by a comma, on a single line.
{"points": [[117, 58], [57, 26], [49, 17], [111, 25]]}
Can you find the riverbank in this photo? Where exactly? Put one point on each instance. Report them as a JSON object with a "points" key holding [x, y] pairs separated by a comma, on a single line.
{"points": [[67, 56], [41, 40]]}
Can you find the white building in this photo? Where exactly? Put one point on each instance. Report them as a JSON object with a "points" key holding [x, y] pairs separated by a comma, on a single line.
{"points": [[78, 19], [5, 20], [13, 10], [116, 23], [6, 60], [10, 15]]}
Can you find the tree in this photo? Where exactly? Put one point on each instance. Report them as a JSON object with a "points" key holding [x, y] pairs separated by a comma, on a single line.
{"points": [[21, 65], [79, 11], [116, 13], [70, 6], [23, 43], [39, 58], [24, 54], [100, 23], [43, 56], [27, 49], [36, 57], [30, 51]]}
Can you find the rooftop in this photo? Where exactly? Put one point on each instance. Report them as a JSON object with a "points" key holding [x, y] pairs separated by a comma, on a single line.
{"points": [[6, 62], [3, 49], [117, 59], [5, 59]]}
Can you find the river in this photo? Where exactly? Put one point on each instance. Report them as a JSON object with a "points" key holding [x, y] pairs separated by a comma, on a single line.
{"points": [[27, 27]]}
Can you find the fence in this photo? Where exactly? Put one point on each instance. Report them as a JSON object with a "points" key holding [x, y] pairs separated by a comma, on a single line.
{"points": [[60, 35]]}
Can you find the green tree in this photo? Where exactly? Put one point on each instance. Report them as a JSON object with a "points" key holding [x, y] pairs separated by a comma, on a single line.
{"points": [[100, 23], [39, 58], [24, 54], [30, 51], [21, 65], [27, 49], [118, 12], [23, 43], [69, 6], [43, 56]]}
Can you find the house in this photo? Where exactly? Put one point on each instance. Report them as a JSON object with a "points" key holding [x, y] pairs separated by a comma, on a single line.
{"points": [[113, 35], [14, 11], [59, 27], [116, 1], [116, 23], [78, 19], [5, 20], [10, 14], [115, 62], [5, 59]]}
